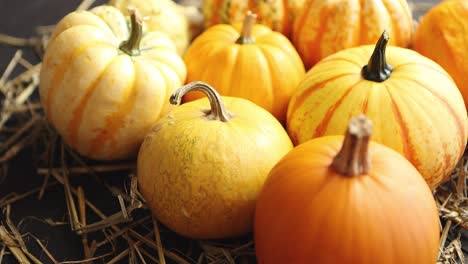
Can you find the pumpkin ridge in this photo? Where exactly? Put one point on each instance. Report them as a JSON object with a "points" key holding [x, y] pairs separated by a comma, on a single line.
{"points": [[322, 126], [361, 24], [77, 116], [456, 118], [408, 149], [115, 120], [157, 66], [61, 71], [106, 22], [386, 11], [444, 73], [306, 93], [272, 81], [333, 59], [447, 160], [300, 21]]}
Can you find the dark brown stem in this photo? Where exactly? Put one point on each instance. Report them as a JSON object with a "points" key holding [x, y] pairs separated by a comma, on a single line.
{"points": [[377, 69], [132, 45], [217, 111], [353, 157], [247, 28]]}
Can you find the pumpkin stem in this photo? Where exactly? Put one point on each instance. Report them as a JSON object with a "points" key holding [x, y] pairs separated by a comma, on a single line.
{"points": [[247, 27], [218, 110], [377, 69], [353, 157], [132, 45]]}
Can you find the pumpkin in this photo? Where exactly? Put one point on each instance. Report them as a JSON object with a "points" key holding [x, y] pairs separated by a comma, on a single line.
{"points": [[104, 85], [345, 199], [326, 27], [248, 61], [161, 15], [442, 36], [202, 166], [273, 13], [415, 105]]}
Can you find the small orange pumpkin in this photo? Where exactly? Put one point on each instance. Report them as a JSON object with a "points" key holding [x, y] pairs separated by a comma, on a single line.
{"points": [[442, 35], [325, 27], [248, 61], [414, 104], [332, 201]]}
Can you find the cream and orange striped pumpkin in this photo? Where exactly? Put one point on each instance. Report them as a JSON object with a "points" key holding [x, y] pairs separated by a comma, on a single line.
{"points": [[325, 27], [414, 104], [273, 13], [104, 85]]}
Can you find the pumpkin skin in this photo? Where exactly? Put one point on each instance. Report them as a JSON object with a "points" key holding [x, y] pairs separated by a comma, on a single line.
{"points": [[262, 67], [200, 175], [442, 36], [326, 27], [101, 100], [273, 14], [386, 215], [161, 15], [418, 111]]}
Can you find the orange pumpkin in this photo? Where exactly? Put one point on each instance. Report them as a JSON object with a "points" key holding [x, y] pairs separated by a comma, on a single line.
{"points": [[248, 61], [415, 105], [442, 35], [325, 27], [273, 13], [332, 201]]}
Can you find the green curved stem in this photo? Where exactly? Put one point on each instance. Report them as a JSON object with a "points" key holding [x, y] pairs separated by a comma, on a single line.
{"points": [[132, 45]]}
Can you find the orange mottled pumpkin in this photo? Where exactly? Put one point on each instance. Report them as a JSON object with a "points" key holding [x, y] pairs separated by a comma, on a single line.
{"points": [[272, 13], [333, 200], [248, 61], [325, 27], [442, 35], [414, 104]]}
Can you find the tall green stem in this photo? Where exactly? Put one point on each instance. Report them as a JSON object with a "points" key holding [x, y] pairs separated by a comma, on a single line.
{"points": [[132, 45]]}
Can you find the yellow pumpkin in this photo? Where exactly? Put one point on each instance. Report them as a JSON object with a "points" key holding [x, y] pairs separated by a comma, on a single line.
{"points": [[104, 85], [248, 61], [202, 166], [273, 13], [414, 104], [161, 15], [325, 27]]}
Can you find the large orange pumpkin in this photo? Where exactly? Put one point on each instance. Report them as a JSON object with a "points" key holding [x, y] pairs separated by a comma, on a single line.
{"points": [[415, 105], [103, 84], [442, 35], [248, 61], [332, 201], [273, 13], [325, 27]]}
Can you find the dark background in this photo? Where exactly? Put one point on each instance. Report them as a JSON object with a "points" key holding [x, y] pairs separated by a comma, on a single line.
{"points": [[19, 18]]}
